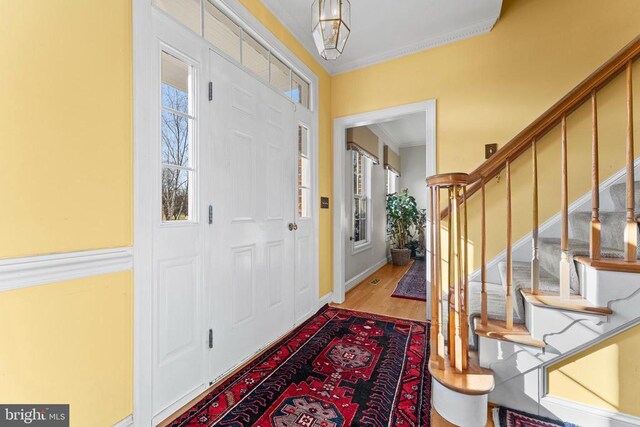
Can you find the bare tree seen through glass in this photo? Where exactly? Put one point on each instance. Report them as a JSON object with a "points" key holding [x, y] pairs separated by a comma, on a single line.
{"points": [[175, 154]]}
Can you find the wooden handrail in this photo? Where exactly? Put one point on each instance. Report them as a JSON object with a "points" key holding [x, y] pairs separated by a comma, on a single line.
{"points": [[552, 117]]}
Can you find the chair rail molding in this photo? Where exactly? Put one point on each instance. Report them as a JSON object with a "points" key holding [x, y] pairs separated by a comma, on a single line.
{"points": [[24, 272]]}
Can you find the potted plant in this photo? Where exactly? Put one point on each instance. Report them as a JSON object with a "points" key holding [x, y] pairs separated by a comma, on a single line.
{"points": [[402, 212], [413, 246], [421, 224]]}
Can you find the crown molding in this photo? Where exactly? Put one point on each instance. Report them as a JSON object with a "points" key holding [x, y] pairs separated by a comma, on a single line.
{"points": [[481, 27], [413, 144], [383, 134], [302, 35]]}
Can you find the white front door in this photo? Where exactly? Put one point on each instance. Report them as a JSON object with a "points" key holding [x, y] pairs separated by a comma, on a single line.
{"points": [[179, 223], [252, 244]]}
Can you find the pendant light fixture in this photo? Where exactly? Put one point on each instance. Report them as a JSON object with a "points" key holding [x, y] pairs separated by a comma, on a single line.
{"points": [[331, 23]]}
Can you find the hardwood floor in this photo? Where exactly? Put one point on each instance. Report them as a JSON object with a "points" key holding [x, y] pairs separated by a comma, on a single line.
{"points": [[376, 298]]}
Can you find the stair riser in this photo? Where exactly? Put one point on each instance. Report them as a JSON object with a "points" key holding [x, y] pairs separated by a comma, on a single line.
{"points": [[509, 357], [520, 392], [600, 287], [548, 324]]}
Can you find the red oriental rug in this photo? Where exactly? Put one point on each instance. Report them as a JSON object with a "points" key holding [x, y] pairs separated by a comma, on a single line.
{"points": [[339, 368]]}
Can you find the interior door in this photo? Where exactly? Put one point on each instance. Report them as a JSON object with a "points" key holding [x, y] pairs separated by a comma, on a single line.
{"points": [[253, 140], [305, 262], [178, 247]]}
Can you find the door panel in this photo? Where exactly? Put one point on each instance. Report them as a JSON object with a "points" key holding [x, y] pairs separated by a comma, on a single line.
{"points": [[253, 149], [179, 336]]}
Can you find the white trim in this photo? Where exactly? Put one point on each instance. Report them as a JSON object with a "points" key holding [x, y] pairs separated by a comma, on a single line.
{"points": [[125, 422], [340, 216], [481, 27], [525, 241], [587, 416], [361, 247], [350, 284], [326, 299], [143, 43], [305, 38], [16, 273]]}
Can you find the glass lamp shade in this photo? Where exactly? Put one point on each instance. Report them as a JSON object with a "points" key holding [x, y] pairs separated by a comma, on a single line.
{"points": [[331, 22]]}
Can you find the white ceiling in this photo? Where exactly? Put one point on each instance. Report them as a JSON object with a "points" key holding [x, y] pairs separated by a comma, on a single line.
{"points": [[385, 29], [407, 131]]}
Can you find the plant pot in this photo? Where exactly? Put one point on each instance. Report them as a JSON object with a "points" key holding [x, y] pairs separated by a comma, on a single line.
{"points": [[400, 256]]}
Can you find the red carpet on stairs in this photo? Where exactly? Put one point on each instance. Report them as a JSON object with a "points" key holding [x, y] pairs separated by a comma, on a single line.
{"points": [[340, 368]]}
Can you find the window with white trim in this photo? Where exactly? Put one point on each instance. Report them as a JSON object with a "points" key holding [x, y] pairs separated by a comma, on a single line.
{"points": [[361, 198], [177, 124], [304, 173], [391, 183], [233, 38]]}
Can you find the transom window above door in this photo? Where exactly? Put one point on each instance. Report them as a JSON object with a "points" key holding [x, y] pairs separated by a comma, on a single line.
{"points": [[236, 41]]}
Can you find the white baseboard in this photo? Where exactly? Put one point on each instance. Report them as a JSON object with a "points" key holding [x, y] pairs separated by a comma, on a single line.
{"points": [[37, 270], [325, 299], [126, 422], [587, 416], [350, 284]]}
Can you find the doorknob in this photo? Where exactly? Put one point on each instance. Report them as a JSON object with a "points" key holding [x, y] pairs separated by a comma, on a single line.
{"points": [[292, 226], [295, 226]]}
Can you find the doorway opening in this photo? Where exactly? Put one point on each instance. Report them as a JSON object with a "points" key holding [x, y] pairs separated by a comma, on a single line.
{"points": [[378, 155]]}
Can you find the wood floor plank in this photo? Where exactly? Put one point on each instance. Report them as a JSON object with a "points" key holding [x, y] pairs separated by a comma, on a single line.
{"points": [[377, 299]]}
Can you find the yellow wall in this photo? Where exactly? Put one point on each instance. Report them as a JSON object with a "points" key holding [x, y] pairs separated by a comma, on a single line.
{"points": [[66, 162], [325, 160], [66, 120], [70, 342], [488, 88], [605, 376]]}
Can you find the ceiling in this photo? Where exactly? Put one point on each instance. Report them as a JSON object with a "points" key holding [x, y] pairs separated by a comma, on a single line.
{"points": [[385, 29], [407, 131]]}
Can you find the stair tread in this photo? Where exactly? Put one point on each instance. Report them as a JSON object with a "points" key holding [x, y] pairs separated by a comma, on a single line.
{"points": [[497, 329], [574, 303], [473, 381], [610, 264]]}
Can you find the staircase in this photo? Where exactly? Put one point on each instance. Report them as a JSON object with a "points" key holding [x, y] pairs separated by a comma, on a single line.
{"points": [[576, 284]]}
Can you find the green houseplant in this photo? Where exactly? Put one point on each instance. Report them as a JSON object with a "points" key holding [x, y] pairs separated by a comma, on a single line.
{"points": [[402, 213]]}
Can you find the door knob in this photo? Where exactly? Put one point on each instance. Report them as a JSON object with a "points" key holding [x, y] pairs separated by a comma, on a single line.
{"points": [[295, 226], [292, 226]]}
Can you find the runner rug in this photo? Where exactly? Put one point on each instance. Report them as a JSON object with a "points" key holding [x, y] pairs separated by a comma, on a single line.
{"points": [[413, 284], [340, 368], [505, 417]]}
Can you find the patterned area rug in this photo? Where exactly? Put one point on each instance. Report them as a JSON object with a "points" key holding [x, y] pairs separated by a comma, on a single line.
{"points": [[340, 368], [413, 284], [505, 417]]}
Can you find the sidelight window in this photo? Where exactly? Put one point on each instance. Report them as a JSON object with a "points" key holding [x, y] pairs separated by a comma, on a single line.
{"points": [[304, 173], [177, 125]]}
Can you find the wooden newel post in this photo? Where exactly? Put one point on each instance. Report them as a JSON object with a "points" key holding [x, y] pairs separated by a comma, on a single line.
{"points": [[457, 241]]}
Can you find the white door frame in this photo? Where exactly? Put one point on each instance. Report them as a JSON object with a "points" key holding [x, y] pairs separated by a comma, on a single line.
{"points": [[143, 207], [340, 214]]}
